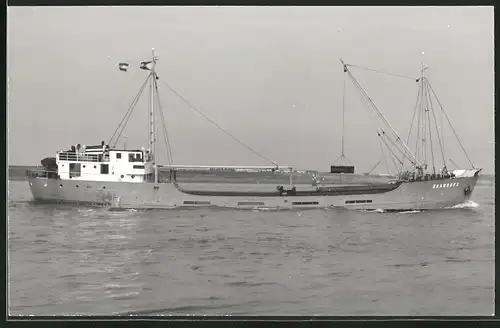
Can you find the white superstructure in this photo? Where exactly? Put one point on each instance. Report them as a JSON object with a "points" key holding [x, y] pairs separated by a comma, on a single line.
{"points": [[104, 164]]}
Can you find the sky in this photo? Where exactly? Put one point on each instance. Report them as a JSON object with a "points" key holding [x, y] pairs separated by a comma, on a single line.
{"points": [[271, 76]]}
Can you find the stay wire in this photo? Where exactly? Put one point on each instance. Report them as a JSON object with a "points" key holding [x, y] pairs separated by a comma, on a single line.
{"points": [[217, 126], [453, 129], [420, 87], [382, 117], [382, 72], [164, 126], [128, 113], [366, 101], [440, 140]]}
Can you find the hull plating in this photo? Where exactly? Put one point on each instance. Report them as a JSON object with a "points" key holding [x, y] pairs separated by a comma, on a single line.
{"points": [[419, 195]]}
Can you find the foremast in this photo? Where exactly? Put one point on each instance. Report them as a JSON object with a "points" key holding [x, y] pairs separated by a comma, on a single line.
{"points": [[424, 114]]}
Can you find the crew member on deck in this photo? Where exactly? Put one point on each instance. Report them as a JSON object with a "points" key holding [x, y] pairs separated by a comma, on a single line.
{"points": [[444, 170]]}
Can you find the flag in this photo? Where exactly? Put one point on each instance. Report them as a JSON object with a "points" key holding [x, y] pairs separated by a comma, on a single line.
{"points": [[123, 67], [146, 65]]}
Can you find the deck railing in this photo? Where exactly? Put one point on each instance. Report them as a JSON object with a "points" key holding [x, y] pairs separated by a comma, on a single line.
{"points": [[41, 173], [82, 157]]}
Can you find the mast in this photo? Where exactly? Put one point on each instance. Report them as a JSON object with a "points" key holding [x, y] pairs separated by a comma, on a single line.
{"points": [[152, 87], [422, 117]]}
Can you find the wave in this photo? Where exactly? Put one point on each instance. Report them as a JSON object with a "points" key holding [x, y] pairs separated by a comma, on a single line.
{"points": [[467, 204], [378, 210]]}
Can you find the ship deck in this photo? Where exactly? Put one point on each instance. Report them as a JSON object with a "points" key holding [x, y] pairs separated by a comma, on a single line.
{"points": [[332, 190]]}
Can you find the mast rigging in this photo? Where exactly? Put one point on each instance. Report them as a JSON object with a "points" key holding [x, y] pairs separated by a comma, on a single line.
{"points": [[362, 91], [155, 109], [342, 158], [423, 114]]}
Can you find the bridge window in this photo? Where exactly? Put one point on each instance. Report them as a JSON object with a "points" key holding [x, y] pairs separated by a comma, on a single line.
{"points": [[118, 155], [104, 168], [135, 157]]}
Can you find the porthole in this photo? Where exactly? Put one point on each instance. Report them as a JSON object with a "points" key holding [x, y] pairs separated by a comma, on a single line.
{"points": [[77, 186], [103, 187], [95, 167], [60, 186], [84, 166], [133, 176], [121, 176]]}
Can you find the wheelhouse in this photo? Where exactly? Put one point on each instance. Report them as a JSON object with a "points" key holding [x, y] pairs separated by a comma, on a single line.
{"points": [[100, 163]]}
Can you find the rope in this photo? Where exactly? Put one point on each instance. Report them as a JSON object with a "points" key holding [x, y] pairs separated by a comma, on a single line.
{"points": [[363, 93], [216, 125], [445, 115], [394, 144], [389, 149], [343, 116], [364, 102], [128, 113], [420, 88], [384, 157], [382, 72], [164, 126], [342, 155], [441, 146]]}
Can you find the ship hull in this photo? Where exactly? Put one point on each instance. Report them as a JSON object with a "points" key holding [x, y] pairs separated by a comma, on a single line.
{"points": [[419, 195]]}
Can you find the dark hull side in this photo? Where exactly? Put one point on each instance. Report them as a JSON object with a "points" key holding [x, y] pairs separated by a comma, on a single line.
{"points": [[330, 191]]}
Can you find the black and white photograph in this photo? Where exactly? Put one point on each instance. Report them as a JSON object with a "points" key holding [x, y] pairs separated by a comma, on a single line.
{"points": [[250, 161]]}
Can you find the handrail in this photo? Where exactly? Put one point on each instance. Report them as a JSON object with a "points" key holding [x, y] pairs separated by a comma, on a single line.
{"points": [[82, 157], [42, 173]]}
